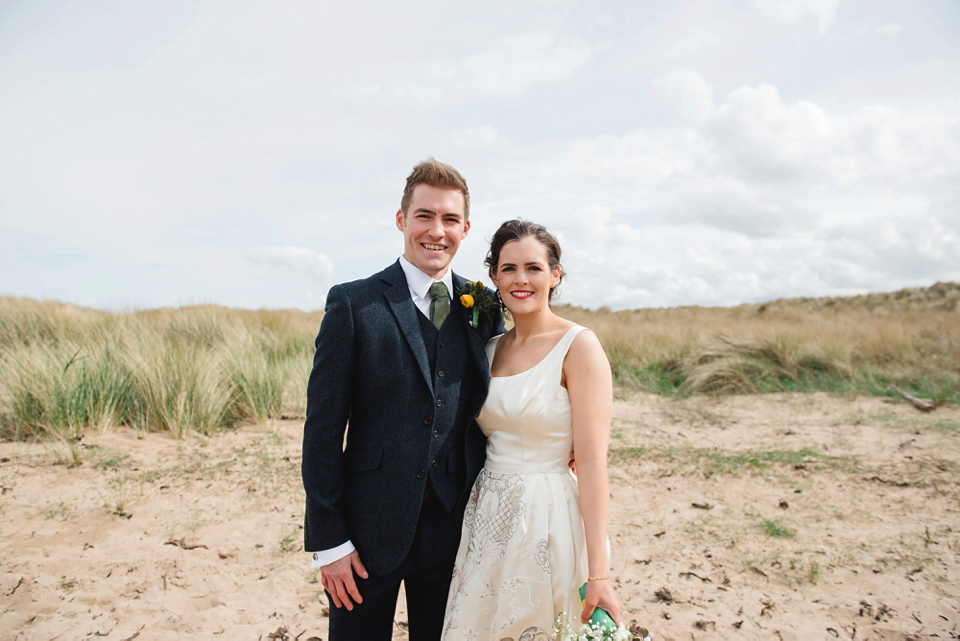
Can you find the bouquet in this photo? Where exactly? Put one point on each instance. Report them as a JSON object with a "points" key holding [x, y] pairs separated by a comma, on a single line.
{"points": [[563, 631], [600, 627], [598, 632]]}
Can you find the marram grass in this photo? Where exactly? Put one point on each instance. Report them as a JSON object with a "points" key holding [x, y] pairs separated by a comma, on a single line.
{"points": [[65, 370], [856, 345]]}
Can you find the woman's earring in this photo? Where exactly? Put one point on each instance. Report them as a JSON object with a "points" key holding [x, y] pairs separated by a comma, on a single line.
{"points": [[496, 297]]}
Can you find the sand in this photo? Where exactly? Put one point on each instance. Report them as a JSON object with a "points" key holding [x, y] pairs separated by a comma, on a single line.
{"points": [[790, 516]]}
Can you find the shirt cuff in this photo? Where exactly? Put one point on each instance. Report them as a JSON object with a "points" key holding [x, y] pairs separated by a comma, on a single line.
{"points": [[326, 557]]}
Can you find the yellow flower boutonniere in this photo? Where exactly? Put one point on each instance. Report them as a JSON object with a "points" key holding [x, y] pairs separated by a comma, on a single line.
{"points": [[475, 298]]}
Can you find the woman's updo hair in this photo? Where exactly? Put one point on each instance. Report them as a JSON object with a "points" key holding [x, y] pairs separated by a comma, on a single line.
{"points": [[519, 229]]}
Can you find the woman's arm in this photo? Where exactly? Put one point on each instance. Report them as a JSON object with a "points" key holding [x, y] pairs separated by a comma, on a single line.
{"points": [[590, 387]]}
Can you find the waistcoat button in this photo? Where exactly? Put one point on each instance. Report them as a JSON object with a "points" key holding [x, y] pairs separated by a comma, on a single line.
{"points": [[428, 420], [421, 474]]}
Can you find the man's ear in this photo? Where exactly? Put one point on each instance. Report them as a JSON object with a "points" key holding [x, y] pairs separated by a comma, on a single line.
{"points": [[400, 219], [466, 228]]}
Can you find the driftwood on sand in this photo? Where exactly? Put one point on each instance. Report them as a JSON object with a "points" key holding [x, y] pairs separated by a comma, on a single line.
{"points": [[921, 404]]}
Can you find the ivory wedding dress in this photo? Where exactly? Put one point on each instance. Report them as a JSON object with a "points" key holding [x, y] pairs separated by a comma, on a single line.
{"points": [[522, 555]]}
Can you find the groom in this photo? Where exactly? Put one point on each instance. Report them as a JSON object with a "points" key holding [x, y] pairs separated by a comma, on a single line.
{"points": [[397, 358]]}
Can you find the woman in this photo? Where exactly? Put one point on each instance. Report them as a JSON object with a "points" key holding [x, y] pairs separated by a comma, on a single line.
{"points": [[530, 539]]}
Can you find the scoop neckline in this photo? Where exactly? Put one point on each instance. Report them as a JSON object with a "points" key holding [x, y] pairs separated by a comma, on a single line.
{"points": [[538, 363]]}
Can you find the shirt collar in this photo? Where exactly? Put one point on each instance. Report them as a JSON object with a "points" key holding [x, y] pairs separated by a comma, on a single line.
{"points": [[419, 282]]}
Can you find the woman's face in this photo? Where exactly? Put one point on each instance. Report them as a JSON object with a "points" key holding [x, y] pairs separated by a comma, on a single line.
{"points": [[523, 276]]}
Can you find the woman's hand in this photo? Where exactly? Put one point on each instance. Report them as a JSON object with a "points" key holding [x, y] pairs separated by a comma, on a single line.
{"points": [[600, 594]]}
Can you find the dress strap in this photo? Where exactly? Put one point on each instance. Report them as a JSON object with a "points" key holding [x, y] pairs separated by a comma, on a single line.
{"points": [[491, 349], [567, 340], [559, 352]]}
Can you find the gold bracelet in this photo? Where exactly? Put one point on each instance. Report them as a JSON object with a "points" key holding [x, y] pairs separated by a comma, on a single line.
{"points": [[598, 578]]}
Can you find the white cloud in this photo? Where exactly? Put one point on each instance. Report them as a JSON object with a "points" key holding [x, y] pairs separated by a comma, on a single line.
{"points": [[482, 137], [891, 29], [516, 63], [297, 260], [767, 139], [824, 11], [592, 226], [688, 92], [639, 157], [501, 68], [729, 204]]}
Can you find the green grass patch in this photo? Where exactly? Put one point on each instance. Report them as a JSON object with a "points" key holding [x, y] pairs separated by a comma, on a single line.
{"points": [[710, 461], [107, 457], [776, 530], [665, 378], [946, 424], [723, 462], [626, 454], [813, 573], [715, 461]]}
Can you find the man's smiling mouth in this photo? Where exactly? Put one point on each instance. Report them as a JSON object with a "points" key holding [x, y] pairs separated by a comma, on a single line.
{"points": [[432, 247]]}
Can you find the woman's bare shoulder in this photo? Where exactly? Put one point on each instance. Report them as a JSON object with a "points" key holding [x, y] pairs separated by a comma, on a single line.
{"points": [[586, 349]]}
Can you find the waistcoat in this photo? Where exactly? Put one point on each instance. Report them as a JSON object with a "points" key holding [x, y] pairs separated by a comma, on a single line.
{"points": [[453, 377]]}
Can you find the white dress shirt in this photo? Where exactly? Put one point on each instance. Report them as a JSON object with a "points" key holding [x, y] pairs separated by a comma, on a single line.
{"points": [[419, 284]]}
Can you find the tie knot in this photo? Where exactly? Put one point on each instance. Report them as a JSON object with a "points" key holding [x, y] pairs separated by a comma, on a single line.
{"points": [[437, 290]]}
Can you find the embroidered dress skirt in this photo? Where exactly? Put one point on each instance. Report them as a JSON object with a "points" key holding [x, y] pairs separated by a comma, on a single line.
{"points": [[521, 559]]}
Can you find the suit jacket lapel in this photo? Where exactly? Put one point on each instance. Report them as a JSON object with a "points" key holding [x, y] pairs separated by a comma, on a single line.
{"points": [[478, 351], [398, 298]]}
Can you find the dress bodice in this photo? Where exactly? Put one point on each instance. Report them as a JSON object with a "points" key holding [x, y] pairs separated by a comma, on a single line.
{"points": [[526, 416]]}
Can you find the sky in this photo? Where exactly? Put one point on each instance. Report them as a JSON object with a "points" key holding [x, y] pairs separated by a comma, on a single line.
{"points": [[685, 152]]}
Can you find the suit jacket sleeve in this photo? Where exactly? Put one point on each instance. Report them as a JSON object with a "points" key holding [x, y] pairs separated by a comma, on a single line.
{"points": [[329, 393]]}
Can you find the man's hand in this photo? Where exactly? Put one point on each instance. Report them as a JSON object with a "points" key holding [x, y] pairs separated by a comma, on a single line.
{"points": [[573, 463], [338, 580]]}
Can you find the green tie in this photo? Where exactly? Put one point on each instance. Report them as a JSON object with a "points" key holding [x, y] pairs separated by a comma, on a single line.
{"points": [[439, 304]]}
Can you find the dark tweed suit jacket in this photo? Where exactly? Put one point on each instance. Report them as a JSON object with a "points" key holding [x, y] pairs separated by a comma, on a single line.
{"points": [[371, 369]]}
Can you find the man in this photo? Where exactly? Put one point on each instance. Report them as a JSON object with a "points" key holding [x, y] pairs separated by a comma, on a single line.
{"points": [[397, 357]]}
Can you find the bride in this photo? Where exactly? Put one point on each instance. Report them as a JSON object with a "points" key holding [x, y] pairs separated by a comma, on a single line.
{"points": [[533, 533]]}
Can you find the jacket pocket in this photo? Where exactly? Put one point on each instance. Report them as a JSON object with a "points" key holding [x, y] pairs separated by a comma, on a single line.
{"points": [[364, 459]]}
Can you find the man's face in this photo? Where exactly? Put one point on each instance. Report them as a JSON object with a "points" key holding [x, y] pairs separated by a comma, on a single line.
{"points": [[433, 227]]}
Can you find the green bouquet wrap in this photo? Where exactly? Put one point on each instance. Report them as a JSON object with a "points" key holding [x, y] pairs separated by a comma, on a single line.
{"points": [[600, 617]]}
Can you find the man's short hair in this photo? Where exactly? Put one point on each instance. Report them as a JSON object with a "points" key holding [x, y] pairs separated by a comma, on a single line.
{"points": [[436, 174]]}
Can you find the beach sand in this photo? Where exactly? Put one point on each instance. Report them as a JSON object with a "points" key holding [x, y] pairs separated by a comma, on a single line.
{"points": [[783, 516]]}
